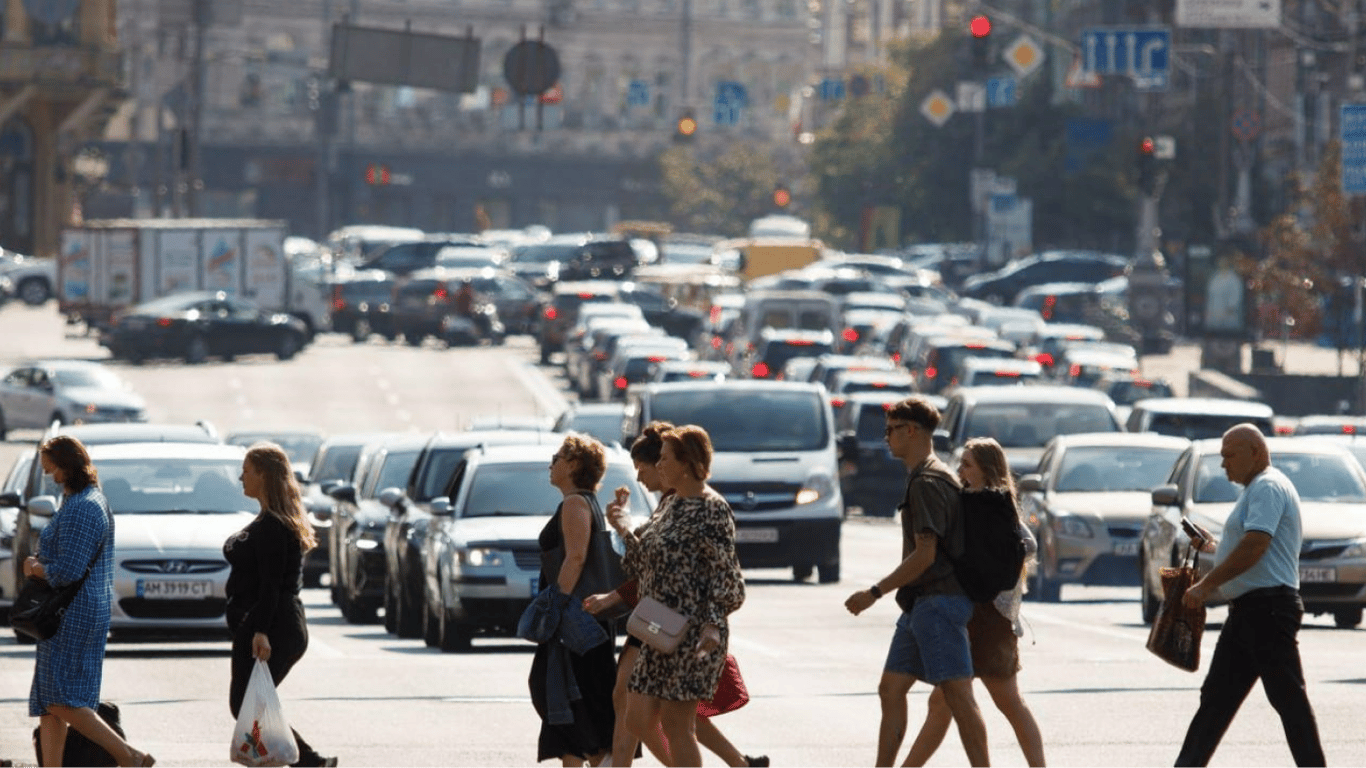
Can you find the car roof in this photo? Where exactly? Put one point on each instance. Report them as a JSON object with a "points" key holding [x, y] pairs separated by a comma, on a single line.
{"points": [[1120, 439], [863, 374], [1274, 445], [796, 334], [104, 434], [538, 453], [1214, 406], [475, 437], [60, 363], [1045, 393], [166, 450], [732, 385], [596, 287], [1002, 363]]}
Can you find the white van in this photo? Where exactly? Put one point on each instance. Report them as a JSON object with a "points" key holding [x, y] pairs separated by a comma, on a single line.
{"points": [[773, 458]]}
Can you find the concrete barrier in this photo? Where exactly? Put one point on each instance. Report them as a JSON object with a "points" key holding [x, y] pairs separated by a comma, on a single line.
{"points": [[1210, 383]]}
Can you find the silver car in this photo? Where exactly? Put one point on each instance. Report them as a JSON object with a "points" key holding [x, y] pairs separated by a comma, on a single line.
{"points": [[481, 559], [1332, 488], [174, 505], [1087, 503], [37, 393]]}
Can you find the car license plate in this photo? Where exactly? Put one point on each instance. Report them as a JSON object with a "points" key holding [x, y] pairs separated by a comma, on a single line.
{"points": [[756, 535], [1318, 575], [1126, 548], [174, 590]]}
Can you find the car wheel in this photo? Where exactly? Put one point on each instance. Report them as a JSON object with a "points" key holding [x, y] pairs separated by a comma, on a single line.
{"points": [[360, 332], [409, 619], [288, 347], [453, 637], [545, 355], [802, 572], [413, 339], [1046, 590], [1347, 618], [390, 611], [34, 291], [3, 428], [197, 351], [1151, 602], [828, 573]]}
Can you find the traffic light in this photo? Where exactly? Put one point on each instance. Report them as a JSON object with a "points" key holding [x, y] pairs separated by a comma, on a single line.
{"points": [[782, 197], [376, 174], [686, 126], [1146, 161], [980, 29]]}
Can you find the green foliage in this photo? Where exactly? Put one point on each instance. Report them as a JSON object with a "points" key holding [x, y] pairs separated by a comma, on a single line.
{"points": [[722, 194]]}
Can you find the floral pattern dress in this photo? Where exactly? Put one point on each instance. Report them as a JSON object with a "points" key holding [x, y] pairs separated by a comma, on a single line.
{"points": [[685, 558]]}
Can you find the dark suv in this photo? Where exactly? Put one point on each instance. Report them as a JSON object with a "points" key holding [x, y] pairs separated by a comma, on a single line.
{"points": [[362, 303], [871, 478], [776, 347], [601, 260]]}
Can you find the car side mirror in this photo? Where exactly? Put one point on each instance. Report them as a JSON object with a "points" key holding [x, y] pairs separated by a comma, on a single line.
{"points": [[941, 442], [301, 476], [1032, 483], [344, 492], [42, 506], [392, 498], [441, 507], [10, 499], [326, 486], [1166, 496]]}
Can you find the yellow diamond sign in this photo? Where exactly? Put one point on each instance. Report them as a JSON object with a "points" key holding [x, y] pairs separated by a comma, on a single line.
{"points": [[1024, 55], [937, 108]]}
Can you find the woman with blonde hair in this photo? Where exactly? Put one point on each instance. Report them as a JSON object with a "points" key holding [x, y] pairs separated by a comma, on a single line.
{"points": [[264, 612], [994, 629], [69, 666]]}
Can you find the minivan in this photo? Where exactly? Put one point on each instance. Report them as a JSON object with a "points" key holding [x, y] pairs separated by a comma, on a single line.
{"points": [[773, 459]]}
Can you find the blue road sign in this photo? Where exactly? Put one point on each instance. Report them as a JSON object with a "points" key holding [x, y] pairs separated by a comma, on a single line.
{"points": [[831, 89], [1143, 53], [731, 100], [1002, 92], [1352, 128], [638, 93]]}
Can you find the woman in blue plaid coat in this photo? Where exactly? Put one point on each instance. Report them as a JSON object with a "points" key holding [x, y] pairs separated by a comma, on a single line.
{"points": [[70, 664]]}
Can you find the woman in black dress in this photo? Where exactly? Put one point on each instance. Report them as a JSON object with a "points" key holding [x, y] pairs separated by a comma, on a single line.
{"points": [[265, 615], [576, 470]]}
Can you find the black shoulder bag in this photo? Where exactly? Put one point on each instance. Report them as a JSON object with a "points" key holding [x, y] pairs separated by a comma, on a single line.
{"points": [[39, 607]]}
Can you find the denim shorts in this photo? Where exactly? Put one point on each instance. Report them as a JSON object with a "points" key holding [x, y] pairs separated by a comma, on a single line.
{"points": [[931, 642]]}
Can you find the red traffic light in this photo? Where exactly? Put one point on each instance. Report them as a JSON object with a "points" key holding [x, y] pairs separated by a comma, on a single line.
{"points": [[376, 174], [980, 26], [781, 197], [1146, 146]]}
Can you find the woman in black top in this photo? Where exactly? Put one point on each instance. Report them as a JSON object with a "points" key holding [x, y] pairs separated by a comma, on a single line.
{"points": [[265, 615]]}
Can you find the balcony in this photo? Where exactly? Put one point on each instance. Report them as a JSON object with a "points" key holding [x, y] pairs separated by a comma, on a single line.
{"points": [[63, 65]]}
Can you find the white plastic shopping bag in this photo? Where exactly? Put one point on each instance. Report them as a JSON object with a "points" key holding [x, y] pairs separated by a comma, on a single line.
{"points": [[262, 737]]}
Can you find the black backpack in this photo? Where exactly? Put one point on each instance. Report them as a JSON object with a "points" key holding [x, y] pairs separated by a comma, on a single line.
{"points": [[993, 545]]}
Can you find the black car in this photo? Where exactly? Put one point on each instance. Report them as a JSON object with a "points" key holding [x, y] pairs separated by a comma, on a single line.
{"points": [[362, 305], [601, 259], [1001, 286], [406, 258], [335, 463], [203, 324], [871, 478], [357, 561], [426, 304]]}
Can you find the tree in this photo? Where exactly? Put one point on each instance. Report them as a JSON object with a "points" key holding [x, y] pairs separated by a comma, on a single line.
{"points": [[723, 193]]}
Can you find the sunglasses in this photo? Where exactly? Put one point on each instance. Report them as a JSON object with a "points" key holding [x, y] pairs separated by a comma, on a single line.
{"points": [[890, 428]]}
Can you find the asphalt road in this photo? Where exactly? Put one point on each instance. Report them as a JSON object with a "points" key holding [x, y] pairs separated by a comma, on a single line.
{"points": [[811, 668]]}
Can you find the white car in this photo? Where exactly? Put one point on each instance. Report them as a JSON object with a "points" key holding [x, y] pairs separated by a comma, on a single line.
{"points": [[481, 560], [31, 279], [174, 505], [37, 393]]}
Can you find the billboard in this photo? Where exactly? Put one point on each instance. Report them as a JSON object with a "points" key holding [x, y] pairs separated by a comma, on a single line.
{"points": [[403, 57], [1228, 14]]}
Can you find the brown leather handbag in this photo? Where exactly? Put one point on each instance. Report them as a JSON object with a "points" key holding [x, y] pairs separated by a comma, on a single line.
{"points": [[1176, 633]]}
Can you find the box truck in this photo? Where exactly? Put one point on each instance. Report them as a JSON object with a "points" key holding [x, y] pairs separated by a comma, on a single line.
{"points": [[108, 265]]}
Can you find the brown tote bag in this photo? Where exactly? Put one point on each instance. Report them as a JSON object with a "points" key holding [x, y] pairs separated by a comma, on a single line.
{"points": [[1176, 633]]}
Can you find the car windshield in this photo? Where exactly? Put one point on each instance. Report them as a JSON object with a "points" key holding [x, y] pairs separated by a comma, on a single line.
{"points": [[1031, 424], [339, 463], [300, 448], [394, 472], [1317, 477], [141, 486], [747, 421], [1112, 468], [1198, 426], [604, 426], [87, 377], [524, 489]]}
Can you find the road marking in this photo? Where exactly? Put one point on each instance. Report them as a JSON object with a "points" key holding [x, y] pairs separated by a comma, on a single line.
{"points": [[549, 401]]}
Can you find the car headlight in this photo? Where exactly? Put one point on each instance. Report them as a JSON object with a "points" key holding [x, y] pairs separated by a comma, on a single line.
{"points": [[370, 539], [480, 557], [1355, 549], [1071, 525], [816, 487]]}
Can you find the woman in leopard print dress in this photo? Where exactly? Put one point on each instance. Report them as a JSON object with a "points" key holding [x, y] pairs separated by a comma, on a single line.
{"points": [[685, 559]]}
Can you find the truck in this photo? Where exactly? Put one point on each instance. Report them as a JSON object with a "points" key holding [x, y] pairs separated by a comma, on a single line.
{"points": [[108, 265]]}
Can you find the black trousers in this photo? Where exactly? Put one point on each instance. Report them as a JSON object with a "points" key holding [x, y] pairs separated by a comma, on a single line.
{"points": [[1257, 641], [288, 641]]}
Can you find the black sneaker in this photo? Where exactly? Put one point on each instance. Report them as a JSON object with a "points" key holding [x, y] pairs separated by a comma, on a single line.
{"points": [[757, 762]]}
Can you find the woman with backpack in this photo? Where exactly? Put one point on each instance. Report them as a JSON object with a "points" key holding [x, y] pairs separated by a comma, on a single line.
{"points": [[994, 630]]}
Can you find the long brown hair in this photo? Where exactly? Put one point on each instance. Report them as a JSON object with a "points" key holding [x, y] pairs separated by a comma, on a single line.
{"points": [[283, 500], [991, 458], [70, 456]]}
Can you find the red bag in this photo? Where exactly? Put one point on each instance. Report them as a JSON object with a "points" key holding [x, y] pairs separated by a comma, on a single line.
{"points": [[730, 695]]}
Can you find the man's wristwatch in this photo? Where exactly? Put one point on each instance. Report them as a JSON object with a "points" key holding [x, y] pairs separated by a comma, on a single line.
{"points": [[877, 592]]}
